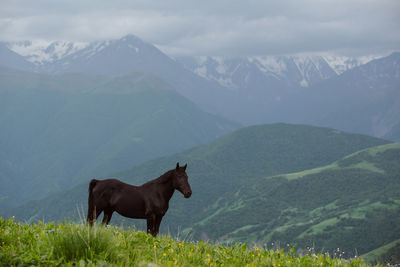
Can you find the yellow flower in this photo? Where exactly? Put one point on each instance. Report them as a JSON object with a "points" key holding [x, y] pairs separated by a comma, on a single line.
{"points": [[154, 246], [164, 254]]}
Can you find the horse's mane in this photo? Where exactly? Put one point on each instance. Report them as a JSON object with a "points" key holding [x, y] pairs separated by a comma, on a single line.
{"points": [[162, 179]]}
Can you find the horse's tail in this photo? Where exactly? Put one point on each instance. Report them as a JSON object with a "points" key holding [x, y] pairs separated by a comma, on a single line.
{"points": [[91, 207]]}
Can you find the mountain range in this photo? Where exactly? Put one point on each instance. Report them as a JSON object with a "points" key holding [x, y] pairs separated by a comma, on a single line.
{"points": [[249, 90]]}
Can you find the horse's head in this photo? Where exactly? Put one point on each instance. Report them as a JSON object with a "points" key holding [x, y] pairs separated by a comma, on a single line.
{"points": [[180, 181]]}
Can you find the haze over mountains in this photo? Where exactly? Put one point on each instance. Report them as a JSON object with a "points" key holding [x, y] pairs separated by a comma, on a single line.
{"points": [[249, 90]]}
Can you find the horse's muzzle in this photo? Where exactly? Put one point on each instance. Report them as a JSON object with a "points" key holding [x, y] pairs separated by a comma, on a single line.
{"points": [[187, 194]]}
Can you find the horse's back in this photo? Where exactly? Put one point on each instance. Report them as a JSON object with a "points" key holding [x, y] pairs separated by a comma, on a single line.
{"points": [[126, 199]]}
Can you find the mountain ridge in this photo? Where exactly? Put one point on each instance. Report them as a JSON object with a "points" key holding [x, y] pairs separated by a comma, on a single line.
{"points": [[54, 56]]}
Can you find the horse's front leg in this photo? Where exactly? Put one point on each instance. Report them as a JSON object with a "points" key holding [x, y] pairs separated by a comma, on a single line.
{"points": [[151, 224], [157, 224]]}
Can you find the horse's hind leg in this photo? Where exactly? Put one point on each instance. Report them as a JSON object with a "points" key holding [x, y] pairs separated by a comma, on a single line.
{"points": [[93, 215], [107, 216]]}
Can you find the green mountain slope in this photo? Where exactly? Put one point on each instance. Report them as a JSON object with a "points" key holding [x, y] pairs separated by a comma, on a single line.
{"points": [[59, 130], [352, 204], [389, 253], [219, 168]]}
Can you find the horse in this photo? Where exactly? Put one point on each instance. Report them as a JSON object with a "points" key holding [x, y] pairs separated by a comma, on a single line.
{"points": [[149, 201]]}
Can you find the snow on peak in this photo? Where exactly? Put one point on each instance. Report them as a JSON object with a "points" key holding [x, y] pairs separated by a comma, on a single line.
{"points": [[341, 64], [273, 64], [297, 70], [40, 52]]}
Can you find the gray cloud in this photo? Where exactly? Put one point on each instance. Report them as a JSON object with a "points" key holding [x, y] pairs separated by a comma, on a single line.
{"points": [[214, 27]]}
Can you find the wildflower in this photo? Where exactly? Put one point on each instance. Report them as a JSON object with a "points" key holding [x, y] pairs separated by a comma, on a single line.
{"points": [[164, 254], [154, 246]]}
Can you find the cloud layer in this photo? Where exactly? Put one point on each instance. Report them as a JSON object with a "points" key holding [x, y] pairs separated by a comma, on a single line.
{"points": [[181, 27]]}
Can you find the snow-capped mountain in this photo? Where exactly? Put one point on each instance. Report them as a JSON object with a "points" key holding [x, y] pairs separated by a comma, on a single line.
{"points": [[297, 70], [132, 54], [111, 57], [41, 53]]}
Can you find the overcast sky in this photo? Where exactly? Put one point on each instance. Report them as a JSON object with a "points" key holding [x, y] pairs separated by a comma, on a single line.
{"points": [[217, 27]]}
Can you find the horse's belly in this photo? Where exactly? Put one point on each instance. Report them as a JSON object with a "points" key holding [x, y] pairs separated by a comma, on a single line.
{"points": [[132, 207], [134, 214]]}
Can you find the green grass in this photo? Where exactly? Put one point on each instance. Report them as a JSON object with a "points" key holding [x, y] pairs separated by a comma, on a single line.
{"points": [[68, 244]]}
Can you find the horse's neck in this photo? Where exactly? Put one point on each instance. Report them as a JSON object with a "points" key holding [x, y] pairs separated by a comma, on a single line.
{"points": [[163, 184]]}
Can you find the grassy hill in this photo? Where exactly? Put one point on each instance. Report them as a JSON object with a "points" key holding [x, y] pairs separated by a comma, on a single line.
{"points": [[218, 169], [76, 245], [58, 130], [352, 204]]}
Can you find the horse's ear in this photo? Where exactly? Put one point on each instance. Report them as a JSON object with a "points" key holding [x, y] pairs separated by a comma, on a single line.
{"points": [[184, 167], [177, 165]]}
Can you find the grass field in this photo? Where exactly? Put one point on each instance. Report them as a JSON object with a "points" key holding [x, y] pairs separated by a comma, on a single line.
{"points": [[69, 244]]}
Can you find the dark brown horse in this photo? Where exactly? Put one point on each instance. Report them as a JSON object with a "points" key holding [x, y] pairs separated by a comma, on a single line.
{"points": [[148, 201]]}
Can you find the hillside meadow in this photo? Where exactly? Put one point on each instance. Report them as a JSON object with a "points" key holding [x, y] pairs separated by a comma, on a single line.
{"points": [[67, 244]]}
